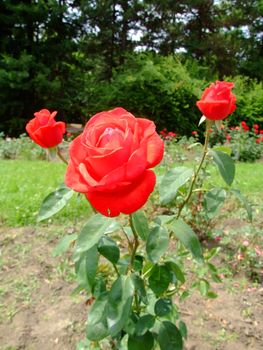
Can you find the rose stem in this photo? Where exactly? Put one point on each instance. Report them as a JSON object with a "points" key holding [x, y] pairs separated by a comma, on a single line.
{"points": [[59, 154], [196, 173], [135, 242], [134, 249]]}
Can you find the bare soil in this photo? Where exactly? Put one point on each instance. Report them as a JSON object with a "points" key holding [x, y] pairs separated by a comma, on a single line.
{"points": [[37, 311]]}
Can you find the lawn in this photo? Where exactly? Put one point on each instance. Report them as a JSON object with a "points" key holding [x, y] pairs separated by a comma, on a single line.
{"points": [[23, 186]]}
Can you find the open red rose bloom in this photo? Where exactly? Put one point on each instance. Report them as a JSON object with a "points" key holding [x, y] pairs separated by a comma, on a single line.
{"points": [[217, 101], [44, 130], [110, 161]]}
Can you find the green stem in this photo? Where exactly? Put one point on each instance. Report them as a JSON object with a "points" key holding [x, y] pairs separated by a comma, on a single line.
{"points": [[116, 269], [196, 173], [60, 155], [135, 242]]}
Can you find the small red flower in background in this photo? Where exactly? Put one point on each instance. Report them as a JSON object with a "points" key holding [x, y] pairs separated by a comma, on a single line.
{"points": [[217, 101], [258, 140], [256, 126], [261, 132], [194, 133], [172, 134], [228, 137], [110, 161], [44, 130], [245, 126]]}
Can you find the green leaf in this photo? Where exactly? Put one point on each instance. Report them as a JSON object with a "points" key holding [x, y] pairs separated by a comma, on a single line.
{"points": [[54, 202], [213, 200], [211, 295], [130, 325], [187, 236], [176, 270], [139, 286], [86, 268], [183, 329], [109, 249], [157, 243], [245, 202], [159, 279], [224, 149], [225, 164], [91, 233], [140, 224], [172, 181], [144, 342], [169, 337], [138, 262], [163, 307], [119, 304], [203, 287], [64, 244], [97, 328], [144, 323]]}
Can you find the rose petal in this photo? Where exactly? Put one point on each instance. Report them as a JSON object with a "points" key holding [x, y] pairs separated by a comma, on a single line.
{"points": [[125, 201], [74, 179], [50, 136]]}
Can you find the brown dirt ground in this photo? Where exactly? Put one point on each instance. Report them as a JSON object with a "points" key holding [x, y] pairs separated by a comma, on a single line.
{"points": [[38, 313]]}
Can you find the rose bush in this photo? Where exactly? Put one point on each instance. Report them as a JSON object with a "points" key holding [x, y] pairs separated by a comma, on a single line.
{"points": [[44, 130], [110, 161], [217, 101]]}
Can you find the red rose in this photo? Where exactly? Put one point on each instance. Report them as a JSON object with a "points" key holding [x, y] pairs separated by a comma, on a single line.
{"points": [[217, 101], [110, 161], [194, 133], [44, 130]]}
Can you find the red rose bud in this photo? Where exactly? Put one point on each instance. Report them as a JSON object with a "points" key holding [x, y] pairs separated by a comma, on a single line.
{"points": [[256, 126], [194, 133], [261, 132], [110, 161], [44, 130], [217, 101]]}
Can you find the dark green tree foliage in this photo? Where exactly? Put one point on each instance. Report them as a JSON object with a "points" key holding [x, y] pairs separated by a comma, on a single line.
{"points": [[108, 35], [37, 46], [155, 87], [71, 56]]}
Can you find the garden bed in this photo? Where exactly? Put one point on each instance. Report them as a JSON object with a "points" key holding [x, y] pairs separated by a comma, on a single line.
{"points": [[37, 311]]}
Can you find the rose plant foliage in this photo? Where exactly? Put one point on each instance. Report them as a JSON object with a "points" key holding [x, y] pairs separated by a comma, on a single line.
{"points": [[133, 301]]}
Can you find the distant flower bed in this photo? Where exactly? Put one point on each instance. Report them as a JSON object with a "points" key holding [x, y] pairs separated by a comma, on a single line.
{"points": [[245, 143], [20, 148]]}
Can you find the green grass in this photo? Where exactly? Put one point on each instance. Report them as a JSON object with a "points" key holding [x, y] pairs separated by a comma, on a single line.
{"points": [[248, 178], [24, 185]]}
